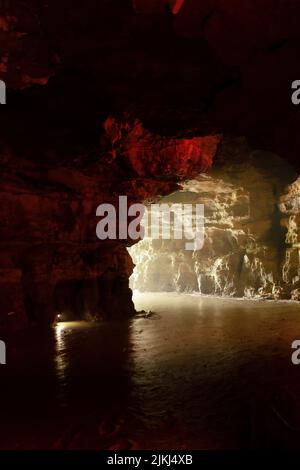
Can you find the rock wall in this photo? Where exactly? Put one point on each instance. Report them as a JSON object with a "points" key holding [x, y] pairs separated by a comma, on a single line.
{"points": [[50, 259], [251, 232], [290, 220]]}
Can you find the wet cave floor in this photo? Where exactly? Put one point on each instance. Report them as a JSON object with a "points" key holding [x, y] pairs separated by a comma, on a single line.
{"points": [[198, 373]]}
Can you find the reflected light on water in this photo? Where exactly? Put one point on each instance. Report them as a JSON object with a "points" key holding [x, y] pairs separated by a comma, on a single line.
{"points": [[61, 357], [63, 336]]}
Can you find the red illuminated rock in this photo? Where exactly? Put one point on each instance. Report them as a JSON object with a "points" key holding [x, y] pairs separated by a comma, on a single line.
{"points": [[148, 154], [50, 258]]}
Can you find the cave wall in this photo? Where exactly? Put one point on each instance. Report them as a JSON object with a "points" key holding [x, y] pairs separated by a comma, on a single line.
{"points": [[51, 261], [290, 208], [251, 232]]}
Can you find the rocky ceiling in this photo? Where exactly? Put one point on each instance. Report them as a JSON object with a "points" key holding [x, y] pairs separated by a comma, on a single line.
{"points": [[214, 66]]}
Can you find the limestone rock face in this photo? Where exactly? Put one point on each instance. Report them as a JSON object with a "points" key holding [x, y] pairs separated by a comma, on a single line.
{"points": [[249, 228], [290, 220], [51, 261]]}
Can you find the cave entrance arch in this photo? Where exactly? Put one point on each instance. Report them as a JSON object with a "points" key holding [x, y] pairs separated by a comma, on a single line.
{"points": [[251, 241]]}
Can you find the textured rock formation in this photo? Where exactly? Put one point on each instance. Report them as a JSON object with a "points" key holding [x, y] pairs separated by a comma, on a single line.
{"points": [[250, 246], [290, 210], [50, 259], [215, 65]]}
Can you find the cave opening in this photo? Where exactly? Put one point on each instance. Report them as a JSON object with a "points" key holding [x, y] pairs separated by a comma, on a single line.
{"points": [[250, 247]]}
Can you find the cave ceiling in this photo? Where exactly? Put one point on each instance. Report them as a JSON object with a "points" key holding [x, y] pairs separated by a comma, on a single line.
{"points": [[216, 66]]}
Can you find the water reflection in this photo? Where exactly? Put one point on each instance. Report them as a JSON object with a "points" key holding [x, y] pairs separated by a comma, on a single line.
{"points": [[199, 373], [209, 371], [62, 359]]}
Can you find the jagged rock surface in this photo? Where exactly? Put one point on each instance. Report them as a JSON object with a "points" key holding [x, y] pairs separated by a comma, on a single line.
{"points": [[50, 259], [216, 66], [251, 232]]}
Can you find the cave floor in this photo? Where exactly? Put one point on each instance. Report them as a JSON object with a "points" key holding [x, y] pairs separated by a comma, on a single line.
{"points": [[198, 373]]}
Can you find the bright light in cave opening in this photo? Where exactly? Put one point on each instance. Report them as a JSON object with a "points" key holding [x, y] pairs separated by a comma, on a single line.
{"points": [[249, 226]]}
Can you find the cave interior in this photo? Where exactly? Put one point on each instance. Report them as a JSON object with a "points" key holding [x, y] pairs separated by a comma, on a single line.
{"points": [[172, 101]]}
